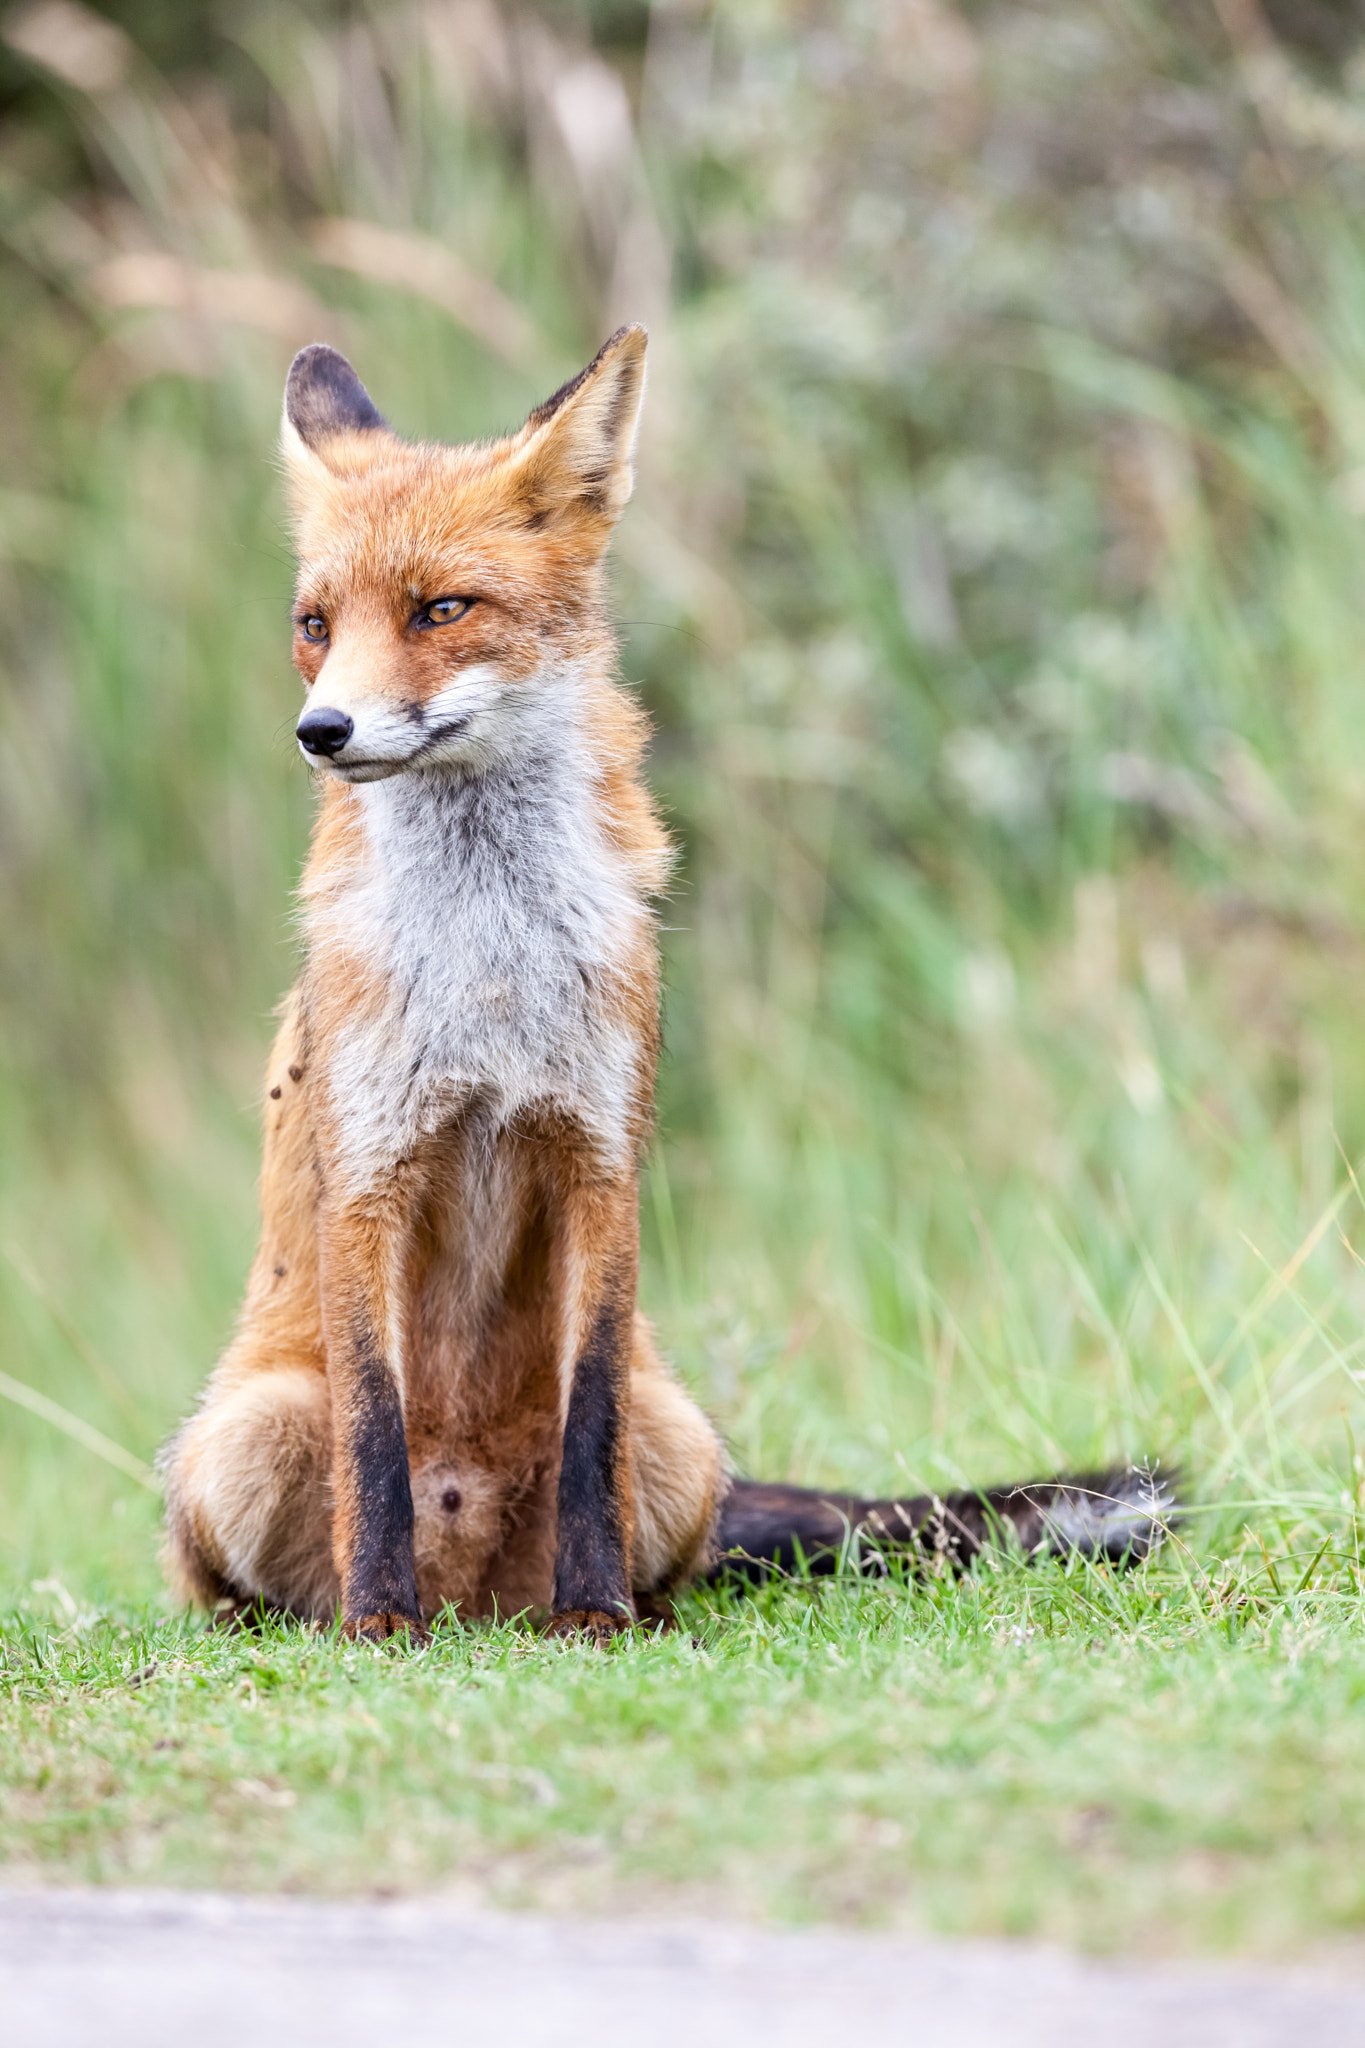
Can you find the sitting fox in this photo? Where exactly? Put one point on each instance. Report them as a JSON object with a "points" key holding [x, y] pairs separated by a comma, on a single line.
{"points": [[441, 1389]]}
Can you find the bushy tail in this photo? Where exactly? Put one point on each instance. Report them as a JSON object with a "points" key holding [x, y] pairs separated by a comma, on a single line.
{"points": [[1118, 1514]]}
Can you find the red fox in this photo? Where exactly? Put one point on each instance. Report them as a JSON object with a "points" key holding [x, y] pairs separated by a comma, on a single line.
{"points": [[441, 1389]]}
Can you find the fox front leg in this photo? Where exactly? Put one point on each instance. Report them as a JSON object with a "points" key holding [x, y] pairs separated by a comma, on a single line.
{"points": [[592, 1593], [371, 1484]]}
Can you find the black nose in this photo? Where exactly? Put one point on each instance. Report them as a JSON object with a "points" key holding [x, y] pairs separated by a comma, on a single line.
{"points": [[324, 732]]}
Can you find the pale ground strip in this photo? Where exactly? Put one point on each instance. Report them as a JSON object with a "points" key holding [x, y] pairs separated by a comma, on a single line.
{"points": [[129, 1969]]}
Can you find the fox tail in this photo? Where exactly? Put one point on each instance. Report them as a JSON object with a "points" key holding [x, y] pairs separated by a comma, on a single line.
{"points": [[1122, 1514]]}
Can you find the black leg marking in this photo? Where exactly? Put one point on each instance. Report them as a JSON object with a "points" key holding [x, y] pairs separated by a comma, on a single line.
{"points": [[590, 1559], [382, 1578]]}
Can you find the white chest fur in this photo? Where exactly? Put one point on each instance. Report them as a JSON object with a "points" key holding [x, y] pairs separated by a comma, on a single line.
{"points": [[495, 919]]}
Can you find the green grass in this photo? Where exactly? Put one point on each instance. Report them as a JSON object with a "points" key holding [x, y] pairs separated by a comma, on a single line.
{"points": [[993, 584], [1161, 1762]]}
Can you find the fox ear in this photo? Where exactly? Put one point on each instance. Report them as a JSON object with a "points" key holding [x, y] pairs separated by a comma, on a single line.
{"points": [[329, 416], [576, 451]]}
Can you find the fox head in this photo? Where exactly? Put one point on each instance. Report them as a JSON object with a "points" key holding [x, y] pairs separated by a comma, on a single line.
{"points": [[442, 588]]}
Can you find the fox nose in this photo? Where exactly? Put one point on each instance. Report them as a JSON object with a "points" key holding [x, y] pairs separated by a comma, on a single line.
{"points": [[324, 732]]}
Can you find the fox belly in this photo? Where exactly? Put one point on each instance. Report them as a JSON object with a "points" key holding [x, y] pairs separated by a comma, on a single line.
{"points": [[249, 1478]]}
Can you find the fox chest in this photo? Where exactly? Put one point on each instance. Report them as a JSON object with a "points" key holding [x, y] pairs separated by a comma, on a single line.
{"points": [[487, 978]]}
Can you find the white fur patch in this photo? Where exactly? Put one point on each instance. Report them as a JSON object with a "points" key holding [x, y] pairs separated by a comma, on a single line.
{"points": [[496, 917], [470, 724]]}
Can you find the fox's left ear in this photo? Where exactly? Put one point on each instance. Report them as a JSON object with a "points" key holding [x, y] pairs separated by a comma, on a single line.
{"points": [[575, 455]]}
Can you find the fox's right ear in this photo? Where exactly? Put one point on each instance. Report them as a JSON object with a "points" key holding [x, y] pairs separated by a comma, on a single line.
{"points": [[329, 416]]}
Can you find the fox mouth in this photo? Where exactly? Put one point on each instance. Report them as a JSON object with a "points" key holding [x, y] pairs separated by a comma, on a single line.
{"points": [[449, 730], [376, 767]]}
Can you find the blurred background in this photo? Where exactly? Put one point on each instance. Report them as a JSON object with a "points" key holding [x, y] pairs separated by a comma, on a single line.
{"points": [[993, 583]]}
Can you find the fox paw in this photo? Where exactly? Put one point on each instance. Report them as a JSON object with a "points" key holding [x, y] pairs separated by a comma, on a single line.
{"points": [[588, 1623], [383, 1628]]}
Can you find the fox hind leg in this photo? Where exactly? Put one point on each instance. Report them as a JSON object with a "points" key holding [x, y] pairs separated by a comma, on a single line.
{"points": [[248, 1495], [678, 1481]]}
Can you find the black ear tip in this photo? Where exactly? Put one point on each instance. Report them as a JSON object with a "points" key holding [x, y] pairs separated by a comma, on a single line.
{"points": [[323, 396], [316, 354], [631, 340]]}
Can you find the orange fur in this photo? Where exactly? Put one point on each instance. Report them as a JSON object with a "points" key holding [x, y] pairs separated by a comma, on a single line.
{"points": [[449, 1193]]}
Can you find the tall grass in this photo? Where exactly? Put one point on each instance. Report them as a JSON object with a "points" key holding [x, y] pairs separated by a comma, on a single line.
{"points": [[992, 583]]}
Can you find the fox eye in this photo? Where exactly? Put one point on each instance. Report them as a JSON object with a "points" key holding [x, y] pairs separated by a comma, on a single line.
{"points": [[313, 628], [443, 611]]}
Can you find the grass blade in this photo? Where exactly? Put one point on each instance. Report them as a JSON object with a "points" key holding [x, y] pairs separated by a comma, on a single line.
{"points": [[83, 1433]]}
